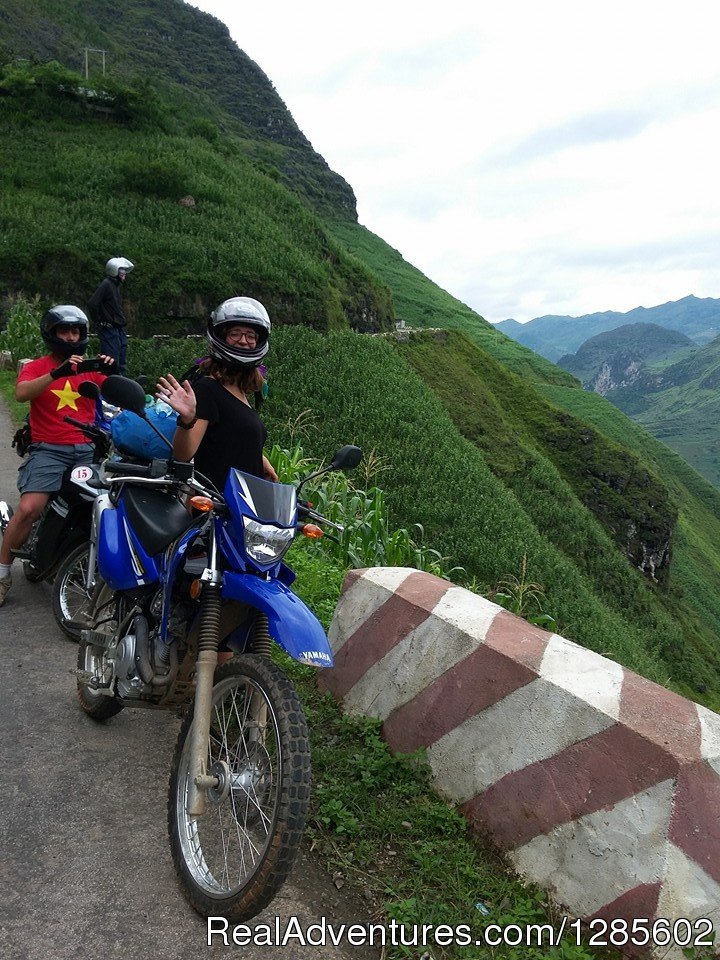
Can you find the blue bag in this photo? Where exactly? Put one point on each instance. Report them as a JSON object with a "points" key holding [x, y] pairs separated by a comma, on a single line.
{"points": [[131, 435]]}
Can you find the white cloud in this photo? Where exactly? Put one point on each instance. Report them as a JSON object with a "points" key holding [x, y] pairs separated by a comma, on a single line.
{"points": [[530, 158]]}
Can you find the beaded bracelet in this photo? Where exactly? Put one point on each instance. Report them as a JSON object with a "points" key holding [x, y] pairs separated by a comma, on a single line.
{"points": [[186, 426]]}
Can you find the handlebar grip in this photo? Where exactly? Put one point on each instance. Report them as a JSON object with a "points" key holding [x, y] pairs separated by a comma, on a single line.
{"points": [[80, 424], [128, 469]]}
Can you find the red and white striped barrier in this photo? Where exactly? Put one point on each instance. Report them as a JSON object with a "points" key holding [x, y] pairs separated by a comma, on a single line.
{"points": [[602, 786]]}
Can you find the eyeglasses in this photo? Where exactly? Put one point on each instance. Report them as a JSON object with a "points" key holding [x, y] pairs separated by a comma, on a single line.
{"points": [[235, 336]]}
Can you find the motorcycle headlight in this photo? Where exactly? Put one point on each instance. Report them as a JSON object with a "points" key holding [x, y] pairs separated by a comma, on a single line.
{"points": [[266, 543]]}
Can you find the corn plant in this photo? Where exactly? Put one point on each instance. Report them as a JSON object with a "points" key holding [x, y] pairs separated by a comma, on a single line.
{"points": [[21, 336], [367, 539], [520, 596]]}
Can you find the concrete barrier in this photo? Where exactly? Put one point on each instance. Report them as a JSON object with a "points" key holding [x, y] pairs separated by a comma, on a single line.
{"points": [[602, 786]]}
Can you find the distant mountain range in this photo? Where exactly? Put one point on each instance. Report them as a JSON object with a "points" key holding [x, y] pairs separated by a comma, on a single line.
{"points": [[618, 357], [554, 336], [659, 365]]}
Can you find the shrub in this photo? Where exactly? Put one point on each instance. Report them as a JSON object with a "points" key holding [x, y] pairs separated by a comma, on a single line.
{"points": [[205, 129], [153, 177], [21, 335]]}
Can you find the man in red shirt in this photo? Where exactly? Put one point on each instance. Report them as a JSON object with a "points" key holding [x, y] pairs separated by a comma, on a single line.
{"points": [[49, 384]]}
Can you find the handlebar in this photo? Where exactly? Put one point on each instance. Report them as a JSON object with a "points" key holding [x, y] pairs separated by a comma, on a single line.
{"points": [[84, 426], [305, 510], [169, 471], [155, 469]]}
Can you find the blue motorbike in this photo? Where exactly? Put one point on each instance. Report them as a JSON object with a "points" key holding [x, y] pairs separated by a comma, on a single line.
{"points": [[177, 572]]}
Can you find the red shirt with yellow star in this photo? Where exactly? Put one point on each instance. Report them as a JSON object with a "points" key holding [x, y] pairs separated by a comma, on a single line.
{"points": [[57, 400]]}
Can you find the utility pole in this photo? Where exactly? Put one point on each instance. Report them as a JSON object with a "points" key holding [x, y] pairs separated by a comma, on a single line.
{"points": [[87, 66]]}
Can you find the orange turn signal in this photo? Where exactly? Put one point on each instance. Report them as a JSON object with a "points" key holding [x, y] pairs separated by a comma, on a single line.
{"points": [[203, 504], [195, 588], [312, 531]]}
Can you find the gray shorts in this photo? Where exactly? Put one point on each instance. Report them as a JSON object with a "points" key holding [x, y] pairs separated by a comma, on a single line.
{"points": [[43, 469]]}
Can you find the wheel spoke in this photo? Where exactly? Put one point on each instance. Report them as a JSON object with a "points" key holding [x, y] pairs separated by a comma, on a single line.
{"points": [[236, 856]]}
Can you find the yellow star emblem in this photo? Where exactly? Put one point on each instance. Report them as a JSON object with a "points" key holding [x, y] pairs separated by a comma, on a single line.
{"points": [[66, 396]]}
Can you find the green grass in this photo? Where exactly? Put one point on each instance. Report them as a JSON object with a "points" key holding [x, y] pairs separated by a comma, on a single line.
{"points": [[678, 404], [67, 200], [202, 83], [75, 188], [521, 493], [362, 391], [18, 411]]}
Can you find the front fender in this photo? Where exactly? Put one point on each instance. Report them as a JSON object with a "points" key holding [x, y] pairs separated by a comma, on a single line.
{"points": [[292, 625]]}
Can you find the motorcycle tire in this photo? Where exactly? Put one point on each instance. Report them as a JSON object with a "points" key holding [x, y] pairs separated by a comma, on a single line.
{"points": [[69, 597], [91, 660], [232, 861]]}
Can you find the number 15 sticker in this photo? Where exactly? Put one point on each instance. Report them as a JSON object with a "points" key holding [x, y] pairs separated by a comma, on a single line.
{"points": [[81, 474]]}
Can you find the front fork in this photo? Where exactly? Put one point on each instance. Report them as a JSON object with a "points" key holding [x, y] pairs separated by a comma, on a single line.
{"points": [[102, 502], [209, 636]]}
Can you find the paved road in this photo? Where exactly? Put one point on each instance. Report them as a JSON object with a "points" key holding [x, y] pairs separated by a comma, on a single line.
{"points": [[85, 867]]}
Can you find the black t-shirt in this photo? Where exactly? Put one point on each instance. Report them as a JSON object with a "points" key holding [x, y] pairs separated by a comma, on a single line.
{"points": [[235, 435]]}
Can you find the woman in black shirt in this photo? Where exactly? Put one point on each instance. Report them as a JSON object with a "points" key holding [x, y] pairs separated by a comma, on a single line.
{"points": [[217, 426]]}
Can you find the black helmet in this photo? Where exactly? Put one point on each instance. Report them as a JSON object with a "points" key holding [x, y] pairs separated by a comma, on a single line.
{"points": [[230, 313], [64, 316]]}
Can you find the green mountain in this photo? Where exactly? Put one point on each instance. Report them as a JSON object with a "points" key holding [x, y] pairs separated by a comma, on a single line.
{"points": [[615, 359], [554, 336], [98, 167], [185, 57], [678, 402], [499, 453]]}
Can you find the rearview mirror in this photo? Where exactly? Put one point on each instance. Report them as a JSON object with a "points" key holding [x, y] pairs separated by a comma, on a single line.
{"points": [[125, 393], [89, 389], [346, 458]]}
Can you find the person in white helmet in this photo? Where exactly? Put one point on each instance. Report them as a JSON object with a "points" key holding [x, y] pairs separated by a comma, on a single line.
{"points": [[106, 311], [217, 426]]}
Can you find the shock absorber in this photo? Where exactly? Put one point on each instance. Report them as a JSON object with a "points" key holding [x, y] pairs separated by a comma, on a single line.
{"points": [[260, 639], [210, 605]]}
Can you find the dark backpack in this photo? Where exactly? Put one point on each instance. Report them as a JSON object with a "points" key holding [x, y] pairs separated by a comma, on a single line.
{"points": [[22, 439]]}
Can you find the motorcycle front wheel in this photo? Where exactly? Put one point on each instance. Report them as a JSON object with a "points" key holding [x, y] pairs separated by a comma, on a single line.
{"points": [[233, 859]]}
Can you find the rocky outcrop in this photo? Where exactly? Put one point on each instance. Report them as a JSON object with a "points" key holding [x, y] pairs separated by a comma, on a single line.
{"points": [[631, 503], [620, 372]]}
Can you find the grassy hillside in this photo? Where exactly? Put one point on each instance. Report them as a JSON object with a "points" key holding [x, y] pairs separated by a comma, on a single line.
{"points": [[478, 509], [678, 403], [692, 599], [76, 188], [186, 59], [622, 352], [460, 419]]}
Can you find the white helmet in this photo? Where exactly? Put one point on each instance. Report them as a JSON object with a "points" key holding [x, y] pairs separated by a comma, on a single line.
{"points": [[230, 313], [116, 264]]}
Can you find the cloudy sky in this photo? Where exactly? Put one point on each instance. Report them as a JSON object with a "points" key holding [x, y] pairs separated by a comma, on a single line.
{"points": [[531, 158]]}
